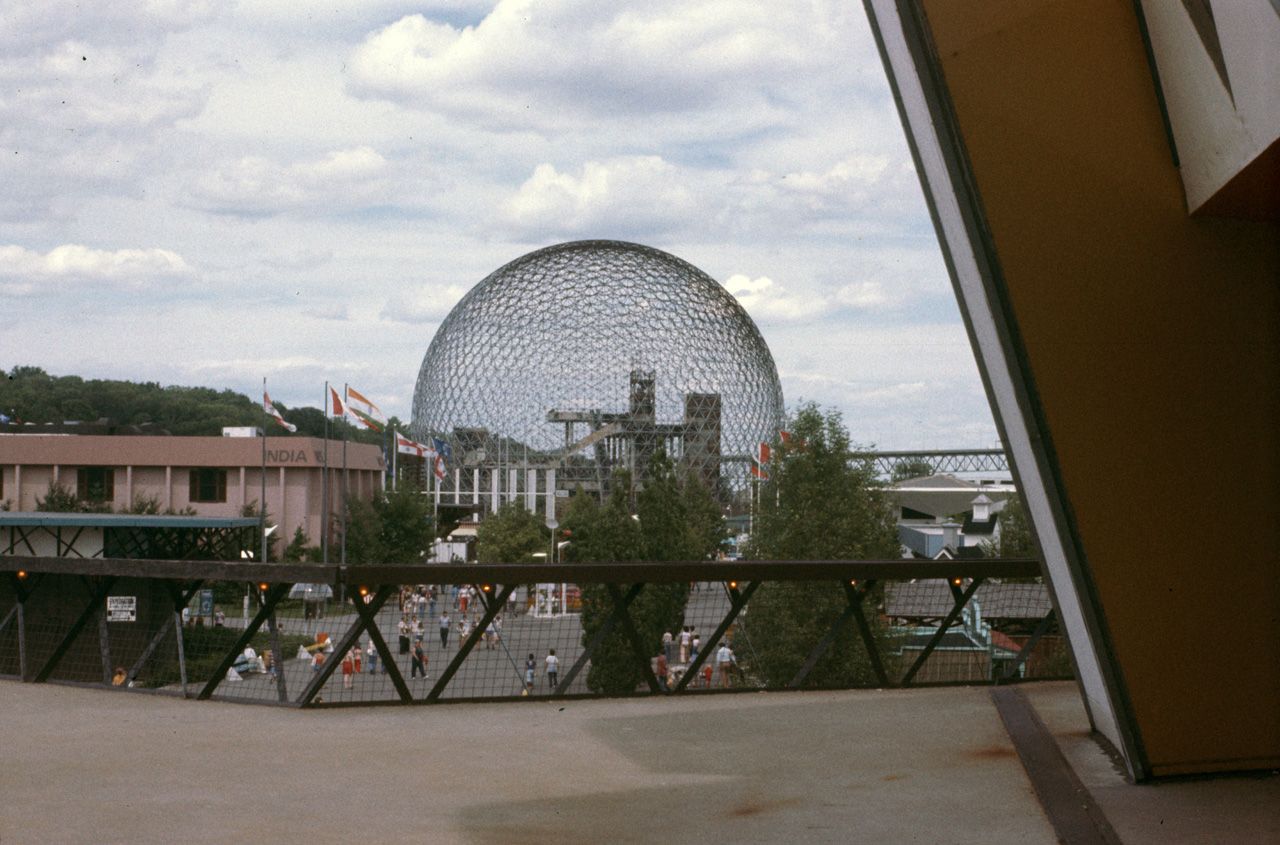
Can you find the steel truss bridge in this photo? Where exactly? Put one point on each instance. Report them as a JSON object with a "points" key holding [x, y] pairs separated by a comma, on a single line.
{"points": [[946, 461]]}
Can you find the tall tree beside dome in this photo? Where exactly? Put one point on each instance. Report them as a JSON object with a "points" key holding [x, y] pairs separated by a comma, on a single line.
{"points": [[820, 503], [663, 530]]}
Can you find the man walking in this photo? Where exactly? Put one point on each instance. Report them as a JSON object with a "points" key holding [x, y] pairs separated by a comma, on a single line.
{"points": [[419, 661], [444, 629], [553, 668], [724, 656]]}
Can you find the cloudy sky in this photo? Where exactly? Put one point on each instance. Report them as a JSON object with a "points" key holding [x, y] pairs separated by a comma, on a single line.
{"points": [[207, 193]]}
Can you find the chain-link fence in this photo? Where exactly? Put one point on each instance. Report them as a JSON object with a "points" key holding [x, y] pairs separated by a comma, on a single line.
{"points": [[365, 635]]}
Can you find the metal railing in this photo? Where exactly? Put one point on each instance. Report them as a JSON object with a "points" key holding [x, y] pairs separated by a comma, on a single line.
{"points": [[321, 635]]}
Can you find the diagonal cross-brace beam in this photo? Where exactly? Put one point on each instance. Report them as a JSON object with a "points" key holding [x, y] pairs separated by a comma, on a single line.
{"points": [[853, 610], [961, 600], [609, 622], [319, 679], [470, 643], [384, 651], [273, 596], [737, 601], [637, 645], [97, 599]]}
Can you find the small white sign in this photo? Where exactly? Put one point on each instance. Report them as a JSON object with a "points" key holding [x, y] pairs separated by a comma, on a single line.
{"points": [[562, 494], [122, 608]]}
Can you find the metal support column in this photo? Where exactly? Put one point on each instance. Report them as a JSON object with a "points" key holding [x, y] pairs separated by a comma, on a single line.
{"points": [[179, 602]]}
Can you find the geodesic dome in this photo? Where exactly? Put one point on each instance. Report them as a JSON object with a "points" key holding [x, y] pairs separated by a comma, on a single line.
{"points": [[586, 356]]}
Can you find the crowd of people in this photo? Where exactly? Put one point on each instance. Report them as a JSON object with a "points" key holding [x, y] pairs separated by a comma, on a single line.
{"points": [[418, 605]]}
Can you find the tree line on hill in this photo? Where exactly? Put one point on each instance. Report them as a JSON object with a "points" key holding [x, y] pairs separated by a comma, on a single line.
{"points": [[31, 395]]}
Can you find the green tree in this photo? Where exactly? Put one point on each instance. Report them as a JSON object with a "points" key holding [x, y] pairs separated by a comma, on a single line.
{"points": [[819, 503], [58, 499], [407, 526], [1015, 538], [660, 531], [512, 535], [707, 529], [300, 548], [363, 533], [395, 526], [252, 509], [910, 468]]}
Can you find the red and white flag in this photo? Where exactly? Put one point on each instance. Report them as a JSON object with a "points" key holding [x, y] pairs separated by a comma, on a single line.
{"points": [[409, 447], [271, 409], [439, 466], [761, 458], [336, 408]]}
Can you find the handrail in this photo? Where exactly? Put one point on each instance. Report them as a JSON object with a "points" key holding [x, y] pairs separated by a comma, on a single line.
{"points": [[900, 569]]}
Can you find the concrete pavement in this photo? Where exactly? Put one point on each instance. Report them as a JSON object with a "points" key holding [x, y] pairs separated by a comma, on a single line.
{"points": [[925, 765]]}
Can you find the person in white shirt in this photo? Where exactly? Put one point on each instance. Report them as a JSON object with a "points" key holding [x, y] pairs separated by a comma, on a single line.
{"points": [[724, 656], [553, 668]]}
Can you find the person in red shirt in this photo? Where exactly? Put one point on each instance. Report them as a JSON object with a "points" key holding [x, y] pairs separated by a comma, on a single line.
{"points": [[662, 672]]}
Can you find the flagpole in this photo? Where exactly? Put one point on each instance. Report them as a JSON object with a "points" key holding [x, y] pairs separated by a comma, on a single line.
{"points": [[324, 484], [345, 399], [395, 460], [262, 503]]}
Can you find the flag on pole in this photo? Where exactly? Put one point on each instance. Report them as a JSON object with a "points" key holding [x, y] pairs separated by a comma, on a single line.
{"points": [[439, 469], [409, 447], [336, 408], [271, 409], [761, 457], [442, 449], [364, 411], [785, 437]]}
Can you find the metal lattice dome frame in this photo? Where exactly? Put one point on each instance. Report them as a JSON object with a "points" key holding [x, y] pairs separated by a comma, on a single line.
{"points": [[585, 357]]}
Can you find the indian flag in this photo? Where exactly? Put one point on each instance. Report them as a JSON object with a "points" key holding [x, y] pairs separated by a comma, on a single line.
{"points": [[364, 411], [271, 409]]}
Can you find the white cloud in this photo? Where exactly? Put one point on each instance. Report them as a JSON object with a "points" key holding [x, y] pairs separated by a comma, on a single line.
{"points": [[427, 305], [768, 302], [342, 179], [555, 63], [632, 195], [24, 272], [862, 295]]}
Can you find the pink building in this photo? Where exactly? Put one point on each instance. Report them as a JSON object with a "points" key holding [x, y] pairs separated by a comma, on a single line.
{"points": [[215, 476]]}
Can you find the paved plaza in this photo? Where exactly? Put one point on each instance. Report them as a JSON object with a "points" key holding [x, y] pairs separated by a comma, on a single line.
{"points": [[925, 765], [490, 670]]}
